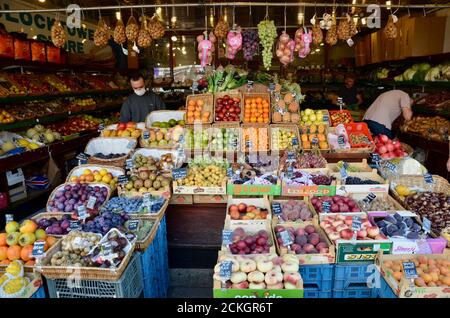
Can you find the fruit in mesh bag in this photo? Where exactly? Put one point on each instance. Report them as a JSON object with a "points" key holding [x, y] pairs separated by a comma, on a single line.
{"points": [[390, 30], [343, 30], [101, 34], [317, 34], [144, 39], [15, 285], [221, 29], [132, 29], [119, 33], [331, 38], [15, 268], [156, 28], [58, 34]]}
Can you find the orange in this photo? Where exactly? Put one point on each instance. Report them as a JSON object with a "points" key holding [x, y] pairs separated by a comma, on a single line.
{"points": [[260, 119], [89, 178], [312, 136], [323, 145], [50, 241], [200, 102], [25, 253], [3, 237], [306, 145], [5, 262], [321, 137], [253, 119], [191, 103], [259, 100], [82, 178], [197, 114], [191, 108], [304, 137], [13, 252], [3, 253], [190, 112]]}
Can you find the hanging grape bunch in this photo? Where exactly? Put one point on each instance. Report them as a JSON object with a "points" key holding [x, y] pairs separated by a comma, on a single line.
{"points": [[221, 29], [267, 33], [250, 44]]}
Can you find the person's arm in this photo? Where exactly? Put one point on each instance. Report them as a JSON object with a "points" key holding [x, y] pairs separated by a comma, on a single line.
{"points": [[125, 113], [407, 113]]}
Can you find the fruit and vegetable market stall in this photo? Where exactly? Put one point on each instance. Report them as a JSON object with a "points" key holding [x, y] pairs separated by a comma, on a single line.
{"points": [[275, 192]]}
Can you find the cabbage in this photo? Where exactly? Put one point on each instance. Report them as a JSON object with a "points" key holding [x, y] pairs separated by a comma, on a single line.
{"points": [[419, 76], [446, 71], [409, 74], [398, 78], [424, 67], [433, 74]]}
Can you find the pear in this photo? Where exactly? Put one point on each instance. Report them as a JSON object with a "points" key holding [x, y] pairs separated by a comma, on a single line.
{"points": [[27, 239]]}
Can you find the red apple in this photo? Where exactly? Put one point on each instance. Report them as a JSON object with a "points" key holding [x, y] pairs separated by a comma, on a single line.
{"points": [[382, 149], [384, 138], [390, 147], [242, 208]]}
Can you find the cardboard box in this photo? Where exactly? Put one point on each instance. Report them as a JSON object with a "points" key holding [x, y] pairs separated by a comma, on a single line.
{"points": [[348, 251], [363, 166], [343, 189], [217, 198], [220, 292], [307, 259], [253, 189], [200, 190], [432, 245], [259, 203], [305, 190], [181, 199], [286, 199], [403, 288]]}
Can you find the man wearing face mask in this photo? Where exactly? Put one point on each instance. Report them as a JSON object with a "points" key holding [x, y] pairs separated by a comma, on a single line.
{"points": [[139, 104]]}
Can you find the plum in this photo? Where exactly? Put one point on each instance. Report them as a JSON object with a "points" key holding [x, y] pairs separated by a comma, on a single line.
{"points": [[310, 229], [313, 238], [301, 240]]}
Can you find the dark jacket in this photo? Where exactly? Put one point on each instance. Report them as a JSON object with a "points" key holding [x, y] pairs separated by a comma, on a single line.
{"points": [[136, 108]]}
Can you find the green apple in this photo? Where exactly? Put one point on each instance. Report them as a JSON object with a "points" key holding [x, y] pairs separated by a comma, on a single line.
{"points": [[40, 234], [12, 226], [13, 238], [27, 239]]}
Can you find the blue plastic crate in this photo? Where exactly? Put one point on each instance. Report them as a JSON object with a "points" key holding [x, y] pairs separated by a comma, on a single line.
{"points": [[385, 290], [155, 269], [356, 293], [40, 293], [318, 277], [345, 275], [316, 293]]}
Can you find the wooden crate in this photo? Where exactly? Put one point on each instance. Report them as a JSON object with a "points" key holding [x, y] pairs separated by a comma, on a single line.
{"points": [[232, 94]]}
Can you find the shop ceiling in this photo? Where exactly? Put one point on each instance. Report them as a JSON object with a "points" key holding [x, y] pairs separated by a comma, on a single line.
{"points": [[193, 18]]}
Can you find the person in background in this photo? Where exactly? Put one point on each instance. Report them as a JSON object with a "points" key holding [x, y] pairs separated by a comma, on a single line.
{"points": [[385, 110], [3, 29], [349, 93], [139, 104]]}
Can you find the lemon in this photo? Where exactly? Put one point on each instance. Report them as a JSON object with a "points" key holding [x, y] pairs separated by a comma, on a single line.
{"points": [[103, 172], [106, 179], [402, 190], [87, 172], [98, 177]]}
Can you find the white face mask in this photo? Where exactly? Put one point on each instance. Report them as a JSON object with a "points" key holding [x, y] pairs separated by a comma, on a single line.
{"points": [[140, 92]]}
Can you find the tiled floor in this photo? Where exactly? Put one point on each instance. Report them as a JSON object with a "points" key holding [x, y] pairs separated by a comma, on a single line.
{"points": [[190, 283]]}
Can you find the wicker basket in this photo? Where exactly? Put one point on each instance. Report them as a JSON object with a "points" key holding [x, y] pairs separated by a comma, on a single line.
{"points": [[143, 143], [47, 215], [226, 125], [256, 95], [273, 109], [439, 185], [234, 94], [305, 129], [94, 273], [275, 127], [143, 244], [52, 195], [208, 106], [407, 148], [78, 171], [256, 126], [124, 145]]}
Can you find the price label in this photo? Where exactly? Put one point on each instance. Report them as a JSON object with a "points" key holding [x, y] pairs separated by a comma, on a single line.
{"points": [[179, 173], [428, 178], [129, 164], [226, 269], [131, 144], [146, 135], [41, 138], [426, 225], [278, 98], [122, 179], [276, 208], [146, 200], [291, 156], [294, 94], [194, 86], [9, 218], [133, 225], [91, 202], [271, 86], [390, 166], [250, 84], [290, 172], [294, 141], [341, 141], [229, 172], [101, 127], [409, 269], [356, 223], [286, 238], [82, 212], [82, 158], [369, 198], [315, 141], [376, 159], [74, 225], [343, 172], [234, 142], [350, 42], [38, 249], [249, 144], [181, 140], [227, 237], [326, 205]]}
